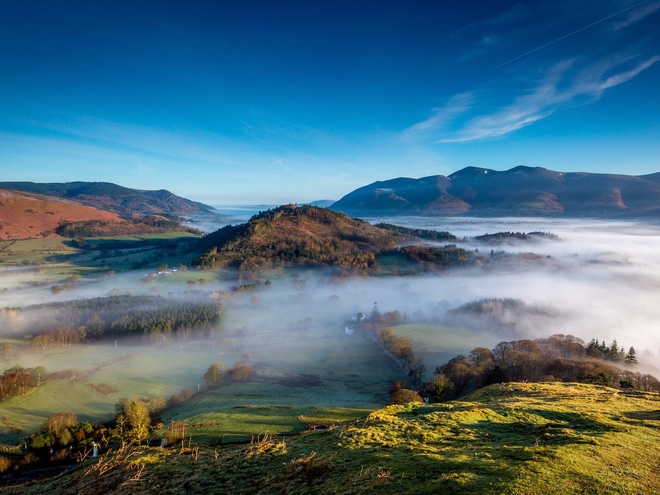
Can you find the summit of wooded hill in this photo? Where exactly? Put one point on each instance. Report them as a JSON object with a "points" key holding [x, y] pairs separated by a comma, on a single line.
{"points": [[520, 191], [297, 234]]}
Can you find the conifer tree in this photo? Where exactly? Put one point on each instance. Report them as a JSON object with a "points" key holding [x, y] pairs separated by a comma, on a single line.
{"points": [[631, 357], [614, 351]]}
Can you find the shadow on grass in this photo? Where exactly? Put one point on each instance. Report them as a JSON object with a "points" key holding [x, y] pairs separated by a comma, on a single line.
{"points": [[643, 415]]}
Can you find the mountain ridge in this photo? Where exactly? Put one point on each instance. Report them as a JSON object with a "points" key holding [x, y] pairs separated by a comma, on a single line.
{"points": [[519, 191], [31, 210], [123, 201]]}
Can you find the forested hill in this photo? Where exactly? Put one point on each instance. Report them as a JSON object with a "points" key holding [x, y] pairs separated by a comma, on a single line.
{"points": [[297, 234], [122, 201], [520, 191]]}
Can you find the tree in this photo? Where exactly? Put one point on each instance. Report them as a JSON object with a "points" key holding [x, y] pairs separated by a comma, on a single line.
{"points": [[42, 341], [439, 388], [402, 348], [460, 373], [57, 423], [38, 374], [56, 430], [416, 369], [631, 357], [482, 356], [240, 372], [133, 420], [614, 351], [214, 375]]}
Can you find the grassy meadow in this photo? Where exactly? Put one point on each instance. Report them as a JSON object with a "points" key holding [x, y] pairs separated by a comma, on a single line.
{"points": [[436, 345], [102, 374]]}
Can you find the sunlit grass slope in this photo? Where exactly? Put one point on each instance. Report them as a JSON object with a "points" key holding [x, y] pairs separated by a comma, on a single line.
{"points": [[511, 438]]}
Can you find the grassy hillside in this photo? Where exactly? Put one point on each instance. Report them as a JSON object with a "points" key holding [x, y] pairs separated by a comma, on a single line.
{"points": [[512, 438]]}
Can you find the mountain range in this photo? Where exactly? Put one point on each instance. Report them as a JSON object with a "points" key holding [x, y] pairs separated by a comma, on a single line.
{"points": [[520, 191]]}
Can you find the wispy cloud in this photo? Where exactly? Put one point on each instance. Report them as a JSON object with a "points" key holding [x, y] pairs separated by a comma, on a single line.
{"points": [[279, 163], [637, 14], [443, 116], [564, 85]]}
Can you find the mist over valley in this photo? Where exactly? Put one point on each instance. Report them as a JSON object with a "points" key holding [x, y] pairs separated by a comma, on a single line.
{"points": [[297, 318]]}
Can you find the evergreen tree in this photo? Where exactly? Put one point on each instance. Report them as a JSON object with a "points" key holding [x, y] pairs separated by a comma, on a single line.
{"points": [[631, 357], [614, 351]]}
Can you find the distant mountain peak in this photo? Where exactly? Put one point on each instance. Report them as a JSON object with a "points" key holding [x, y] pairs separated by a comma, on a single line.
{"points": [[519, 191], [470, 172]]}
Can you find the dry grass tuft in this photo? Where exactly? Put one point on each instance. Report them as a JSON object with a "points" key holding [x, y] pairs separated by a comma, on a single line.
{"points": [[265, 444], [119, 468], [308, 467]]}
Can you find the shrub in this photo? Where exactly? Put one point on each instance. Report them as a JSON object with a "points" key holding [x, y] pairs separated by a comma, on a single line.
{"points": [[5, 464], [404, 396], [241, 372]]}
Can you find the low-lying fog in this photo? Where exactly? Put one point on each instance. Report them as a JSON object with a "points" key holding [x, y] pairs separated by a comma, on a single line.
{"points": [[602, 278]]}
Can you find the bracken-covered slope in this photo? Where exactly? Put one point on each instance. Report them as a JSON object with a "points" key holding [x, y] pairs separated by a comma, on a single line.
{"points": [[297, 234], [515, 438], [26, 216], [521, 191], [125, 202]]}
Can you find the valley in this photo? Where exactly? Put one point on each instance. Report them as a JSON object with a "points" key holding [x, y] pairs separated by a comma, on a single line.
{"points": [[286, 362]]}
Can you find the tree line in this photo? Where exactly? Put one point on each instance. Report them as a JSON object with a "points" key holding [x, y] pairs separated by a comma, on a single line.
{"points": [[18, 380], [563, 358], [117, 316], [109, 228], [429, 235]]}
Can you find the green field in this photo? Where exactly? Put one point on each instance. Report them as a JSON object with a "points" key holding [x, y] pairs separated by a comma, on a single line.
{"points": [[435, 345], [238, 412], [116, 253], [24, 414], [324, 369]]}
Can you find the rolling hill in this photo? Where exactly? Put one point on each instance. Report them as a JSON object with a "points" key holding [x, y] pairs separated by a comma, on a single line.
{"points": [[520, 191], [296, 234], [30, 210], [26, 216], [514, 438], [122, 201]]}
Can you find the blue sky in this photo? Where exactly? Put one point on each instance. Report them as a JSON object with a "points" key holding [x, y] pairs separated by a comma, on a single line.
{"points": [[243, 102]]}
